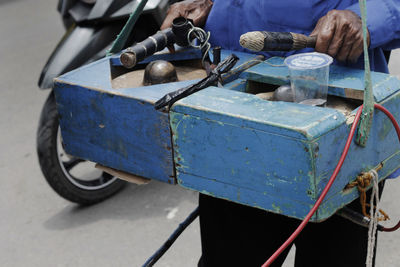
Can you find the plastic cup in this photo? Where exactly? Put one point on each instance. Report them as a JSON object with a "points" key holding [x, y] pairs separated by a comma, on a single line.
{"points": [[309, 76]]}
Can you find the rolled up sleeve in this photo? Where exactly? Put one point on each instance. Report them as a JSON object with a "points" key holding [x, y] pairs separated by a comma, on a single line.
{"points": [[383, 22]]}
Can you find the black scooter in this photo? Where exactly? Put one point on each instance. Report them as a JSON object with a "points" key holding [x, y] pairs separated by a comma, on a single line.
{"points": [[91, 27]]}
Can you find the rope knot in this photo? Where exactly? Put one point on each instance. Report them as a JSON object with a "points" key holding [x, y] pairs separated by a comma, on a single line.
{"points": [[362, 182]]}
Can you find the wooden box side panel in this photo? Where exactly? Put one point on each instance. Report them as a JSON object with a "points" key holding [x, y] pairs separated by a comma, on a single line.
{"points": [[282, 118], [245, 196], [382, 147], [116, 131], [264, 163]]}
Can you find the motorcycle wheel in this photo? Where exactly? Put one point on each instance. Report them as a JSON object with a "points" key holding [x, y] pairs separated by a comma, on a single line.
{"points": [[73, 179]]}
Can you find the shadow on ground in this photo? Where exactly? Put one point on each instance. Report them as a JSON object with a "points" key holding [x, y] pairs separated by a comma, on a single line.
{"points": [[155, 199]]}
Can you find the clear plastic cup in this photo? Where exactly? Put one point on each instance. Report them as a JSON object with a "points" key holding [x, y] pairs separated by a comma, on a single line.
{"points": [[309, 76]]}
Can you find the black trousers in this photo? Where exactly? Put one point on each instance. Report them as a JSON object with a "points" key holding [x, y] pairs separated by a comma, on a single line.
{"points": [[236, 235]]}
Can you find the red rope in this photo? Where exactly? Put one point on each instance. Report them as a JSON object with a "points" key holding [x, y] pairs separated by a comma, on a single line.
{"points": [[330, 182]]}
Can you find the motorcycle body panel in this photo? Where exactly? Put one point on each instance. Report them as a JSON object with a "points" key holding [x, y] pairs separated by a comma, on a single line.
{"points": [[77, 47], [106, 10], [94, 29]]}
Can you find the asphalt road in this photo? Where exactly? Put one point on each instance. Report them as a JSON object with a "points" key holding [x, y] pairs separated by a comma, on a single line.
{"points": [[38, 228]]}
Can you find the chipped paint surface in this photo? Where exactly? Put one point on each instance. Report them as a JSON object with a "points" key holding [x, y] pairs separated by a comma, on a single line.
{"points": [[226, 143], [280, 160], [291, 119], [105, 128], [276, 209]]}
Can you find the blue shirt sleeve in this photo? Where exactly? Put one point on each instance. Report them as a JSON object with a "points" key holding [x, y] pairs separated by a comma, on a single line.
{"points": [[383, 21]]}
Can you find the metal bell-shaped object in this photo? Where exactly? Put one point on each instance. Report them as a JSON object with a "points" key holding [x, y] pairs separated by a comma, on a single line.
{"points": [[159, 71]]}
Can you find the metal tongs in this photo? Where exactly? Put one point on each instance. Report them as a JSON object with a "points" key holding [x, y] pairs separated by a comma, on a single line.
{"points": [[211, 80]]}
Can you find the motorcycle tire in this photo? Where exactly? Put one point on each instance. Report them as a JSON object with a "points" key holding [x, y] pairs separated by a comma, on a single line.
{"points": [[75, 187]]}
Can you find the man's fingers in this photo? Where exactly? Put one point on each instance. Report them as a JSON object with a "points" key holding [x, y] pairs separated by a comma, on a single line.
{"points": [[314, 32], [337, 41], [201, 17], [172, 14], [324, 37], [196, 10], [358, 46], [344, 52], [339, 34], [198, 20], [356, 50]]}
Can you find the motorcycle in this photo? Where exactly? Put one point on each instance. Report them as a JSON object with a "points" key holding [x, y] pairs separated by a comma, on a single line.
{"points": [[91, 27]]}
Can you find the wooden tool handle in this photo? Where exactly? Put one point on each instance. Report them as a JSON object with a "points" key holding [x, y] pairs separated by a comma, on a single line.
{"points": [[276, 41]]}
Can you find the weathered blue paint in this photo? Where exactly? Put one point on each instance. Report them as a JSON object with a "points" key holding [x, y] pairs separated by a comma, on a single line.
{"points": [[245, 195], [104, 127], [344, 82], [118, 128], [227, 143], [382, 146], [237, 85], [273, 155], [283, 118]]}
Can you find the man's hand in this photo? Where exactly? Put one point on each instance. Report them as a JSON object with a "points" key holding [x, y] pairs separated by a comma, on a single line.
{"points": [[339, 34], [197, 10]]}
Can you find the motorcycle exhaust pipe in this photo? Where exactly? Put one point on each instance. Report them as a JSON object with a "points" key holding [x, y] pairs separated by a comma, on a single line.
{"points": [[177, 34]]}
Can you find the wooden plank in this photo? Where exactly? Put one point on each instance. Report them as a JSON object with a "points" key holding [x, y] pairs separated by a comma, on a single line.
{"points": [[343, 81], [245, 196], [237, 85], [260, 161], [116, 127], [382, 144], [122, 131], [283, 118], [230, 145], [123, 175]]}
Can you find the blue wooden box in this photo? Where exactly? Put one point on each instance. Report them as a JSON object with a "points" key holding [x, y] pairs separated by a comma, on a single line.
{"points": [[227, 142]]}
